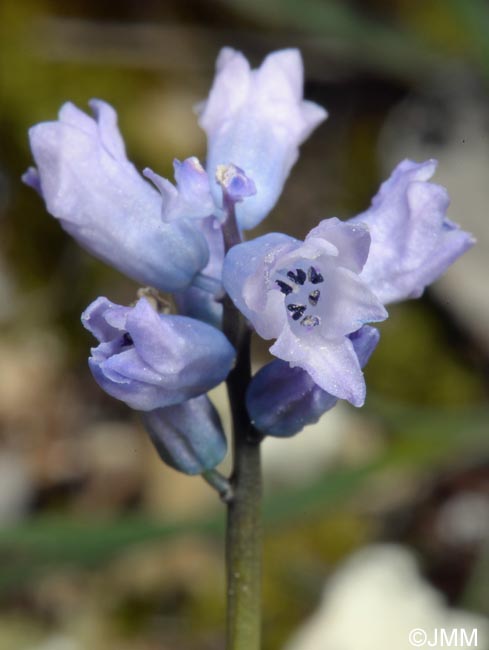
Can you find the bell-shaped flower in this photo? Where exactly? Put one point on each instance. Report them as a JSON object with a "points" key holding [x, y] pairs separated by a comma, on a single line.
{"points": [[98, 196], [282, 400], [189, 436], [309, 296], [413, 242], [256, 120], [150, 360]]}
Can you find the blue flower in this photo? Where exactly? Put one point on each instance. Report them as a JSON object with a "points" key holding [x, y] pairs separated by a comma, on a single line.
{"points": [[189, 436], [413, 242], [150, 360], [256, 120], [312, 295], [99, 198], [309, 296], [315, 297]]}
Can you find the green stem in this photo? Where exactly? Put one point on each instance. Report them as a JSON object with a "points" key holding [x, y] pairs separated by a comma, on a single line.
{"points": [[244, 529]]}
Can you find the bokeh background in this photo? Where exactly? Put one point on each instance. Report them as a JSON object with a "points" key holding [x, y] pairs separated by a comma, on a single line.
{"points": [[101, 546]]}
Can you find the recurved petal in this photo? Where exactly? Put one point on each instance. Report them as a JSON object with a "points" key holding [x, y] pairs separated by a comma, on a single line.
{"points": [[351, 240], [282, 400], [333, 365], [96, 319], [191, 198]]}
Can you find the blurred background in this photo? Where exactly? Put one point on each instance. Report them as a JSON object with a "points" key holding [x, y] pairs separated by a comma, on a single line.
{"points": [[101, 545]]}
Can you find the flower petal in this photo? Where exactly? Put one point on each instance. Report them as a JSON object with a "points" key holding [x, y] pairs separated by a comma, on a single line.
{"points": [[191, 198], [96, 319], [246, 278], [352, 241], [333, 365], [347, 304], [282, 400]]}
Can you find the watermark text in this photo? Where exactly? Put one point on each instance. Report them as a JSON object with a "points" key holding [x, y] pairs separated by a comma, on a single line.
{"points": [[443, 638]]}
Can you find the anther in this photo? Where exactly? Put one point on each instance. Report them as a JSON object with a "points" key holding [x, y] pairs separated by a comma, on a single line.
{"points": [[314, 276], [298, 278], [284, 288], [314, 297], [297, 311], [310, 321]]}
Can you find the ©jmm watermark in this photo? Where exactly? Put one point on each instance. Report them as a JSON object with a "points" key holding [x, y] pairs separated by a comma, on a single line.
{"points": [[443, 638]]}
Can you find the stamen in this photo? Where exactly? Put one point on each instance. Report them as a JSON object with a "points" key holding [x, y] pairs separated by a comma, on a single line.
{"points": [[298, 278], [314, 276], [314, 297], [310, 321], [284, 288], [297, 311]]}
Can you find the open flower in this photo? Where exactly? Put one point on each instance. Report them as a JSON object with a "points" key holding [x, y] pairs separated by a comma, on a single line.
{"points": [[256, 120], [312, 295], [150, 360], [99, 198], [309, 296]]}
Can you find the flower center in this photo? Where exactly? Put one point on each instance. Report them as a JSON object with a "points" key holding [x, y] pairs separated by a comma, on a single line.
{"points": [[302, 294]]}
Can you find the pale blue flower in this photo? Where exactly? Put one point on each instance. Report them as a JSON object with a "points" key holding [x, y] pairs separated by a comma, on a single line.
{"points": [[99, 198], [150, 360], [413, 242], [312, 295], [256, 120], [309, 296], [189, 436]]}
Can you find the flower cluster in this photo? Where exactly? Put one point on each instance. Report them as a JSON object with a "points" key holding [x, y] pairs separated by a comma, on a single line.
{"points": [[315, 297]]}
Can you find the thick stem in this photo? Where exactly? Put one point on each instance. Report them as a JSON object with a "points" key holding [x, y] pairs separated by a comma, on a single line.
{"points": [[244, 530]]}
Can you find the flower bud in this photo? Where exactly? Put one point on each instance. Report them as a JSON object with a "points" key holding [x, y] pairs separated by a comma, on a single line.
{"points": [[188, 436], [282, 400]]}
